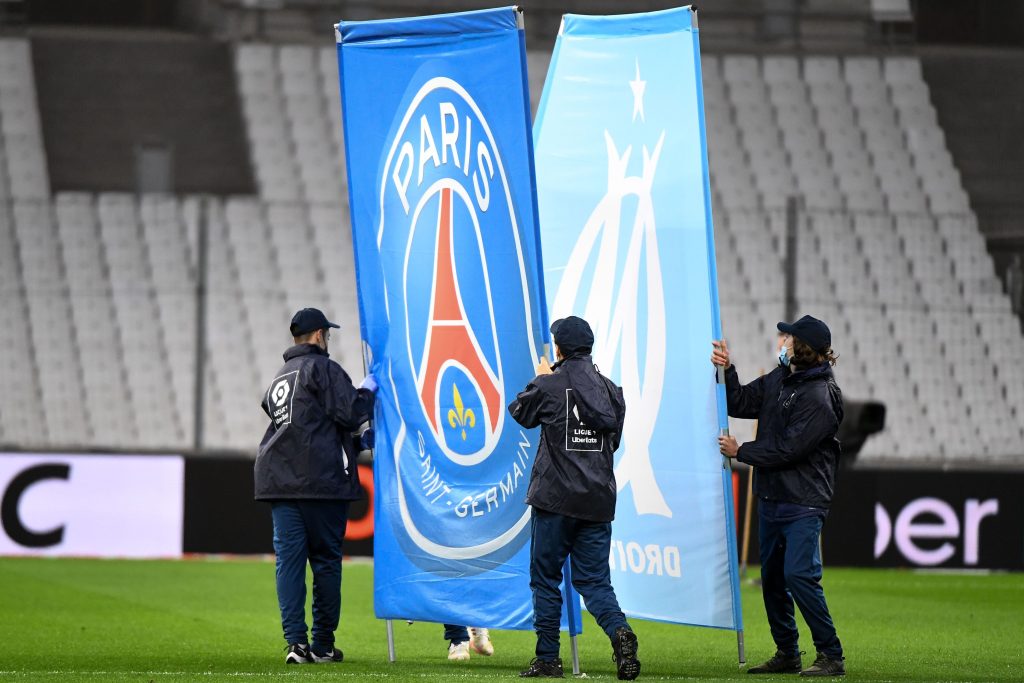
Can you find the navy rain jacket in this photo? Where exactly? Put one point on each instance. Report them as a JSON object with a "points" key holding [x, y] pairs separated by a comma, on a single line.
{"points": [[309, 450], [581, 413], [796, 453]]}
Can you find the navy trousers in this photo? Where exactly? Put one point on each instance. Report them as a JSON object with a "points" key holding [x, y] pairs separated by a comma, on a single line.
{"points": [[791, 571], [455, 633], [309, 530], [553, 538]]}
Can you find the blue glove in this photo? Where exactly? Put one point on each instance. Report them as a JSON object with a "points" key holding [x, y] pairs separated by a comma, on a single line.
{"points": [[369, 382], [367, 439]]}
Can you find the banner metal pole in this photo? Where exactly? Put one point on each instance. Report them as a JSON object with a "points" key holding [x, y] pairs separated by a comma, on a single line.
{"points": [[720, 378], [391, 640], [727, 465], [724, 431]]}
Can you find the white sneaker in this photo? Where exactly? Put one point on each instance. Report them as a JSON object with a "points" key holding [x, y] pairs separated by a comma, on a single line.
{"points": [[480, 641], [458, 653]]}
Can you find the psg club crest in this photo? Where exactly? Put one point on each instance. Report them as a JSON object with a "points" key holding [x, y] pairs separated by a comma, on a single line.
{"points": [[461, 336]]}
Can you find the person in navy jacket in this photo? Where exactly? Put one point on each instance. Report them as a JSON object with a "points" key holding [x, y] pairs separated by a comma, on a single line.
{"points": [[572, 491], [795, 457], [306, 469]]}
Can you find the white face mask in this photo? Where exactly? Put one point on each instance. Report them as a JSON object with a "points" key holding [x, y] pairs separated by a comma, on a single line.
{"points": [[784, 357]]}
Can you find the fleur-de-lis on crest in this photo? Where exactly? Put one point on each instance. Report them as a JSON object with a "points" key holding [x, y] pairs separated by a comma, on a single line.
{"points": [[460, 415]]}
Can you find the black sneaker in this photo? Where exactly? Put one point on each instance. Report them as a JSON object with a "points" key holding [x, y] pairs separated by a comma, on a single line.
{"points": [[332, 655], [541, 668], [826, 666], [624, 647], [298, 653], [779, 664]]}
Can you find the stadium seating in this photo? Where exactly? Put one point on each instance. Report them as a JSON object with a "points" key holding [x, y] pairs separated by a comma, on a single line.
{"points": [[54, 347], [889, 254], [22, 420], [293, 113], [888, 245], [23, 171]]}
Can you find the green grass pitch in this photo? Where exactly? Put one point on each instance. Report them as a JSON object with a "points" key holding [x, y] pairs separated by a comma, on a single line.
{"points": [[106, 620]]}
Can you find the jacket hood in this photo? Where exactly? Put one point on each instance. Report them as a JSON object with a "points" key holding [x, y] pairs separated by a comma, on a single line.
{"points": [[303, 350], [591, 392], [824, 373], [820, 371]]}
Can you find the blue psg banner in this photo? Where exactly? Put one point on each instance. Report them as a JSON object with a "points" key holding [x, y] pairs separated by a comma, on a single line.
{"points": [[437, 129], [624, 200]]}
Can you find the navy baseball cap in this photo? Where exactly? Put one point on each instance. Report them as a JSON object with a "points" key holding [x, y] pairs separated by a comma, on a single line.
{"points": [[810, 331], [572, 334], [310, 320]]}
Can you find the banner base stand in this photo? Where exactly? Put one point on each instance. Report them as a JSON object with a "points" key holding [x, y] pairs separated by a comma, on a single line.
{"points": [[391, 640], [739, 646]]}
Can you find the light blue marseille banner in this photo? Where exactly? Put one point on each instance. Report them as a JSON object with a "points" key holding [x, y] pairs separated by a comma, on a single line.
{"points": [[437, 131], [625, 209]]}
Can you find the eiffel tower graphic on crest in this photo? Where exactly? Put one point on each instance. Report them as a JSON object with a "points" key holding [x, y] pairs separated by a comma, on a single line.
{"points": [[450, 338]]}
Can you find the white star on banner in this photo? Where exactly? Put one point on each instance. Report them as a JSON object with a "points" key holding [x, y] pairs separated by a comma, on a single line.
{"points": [[638, 88]]}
